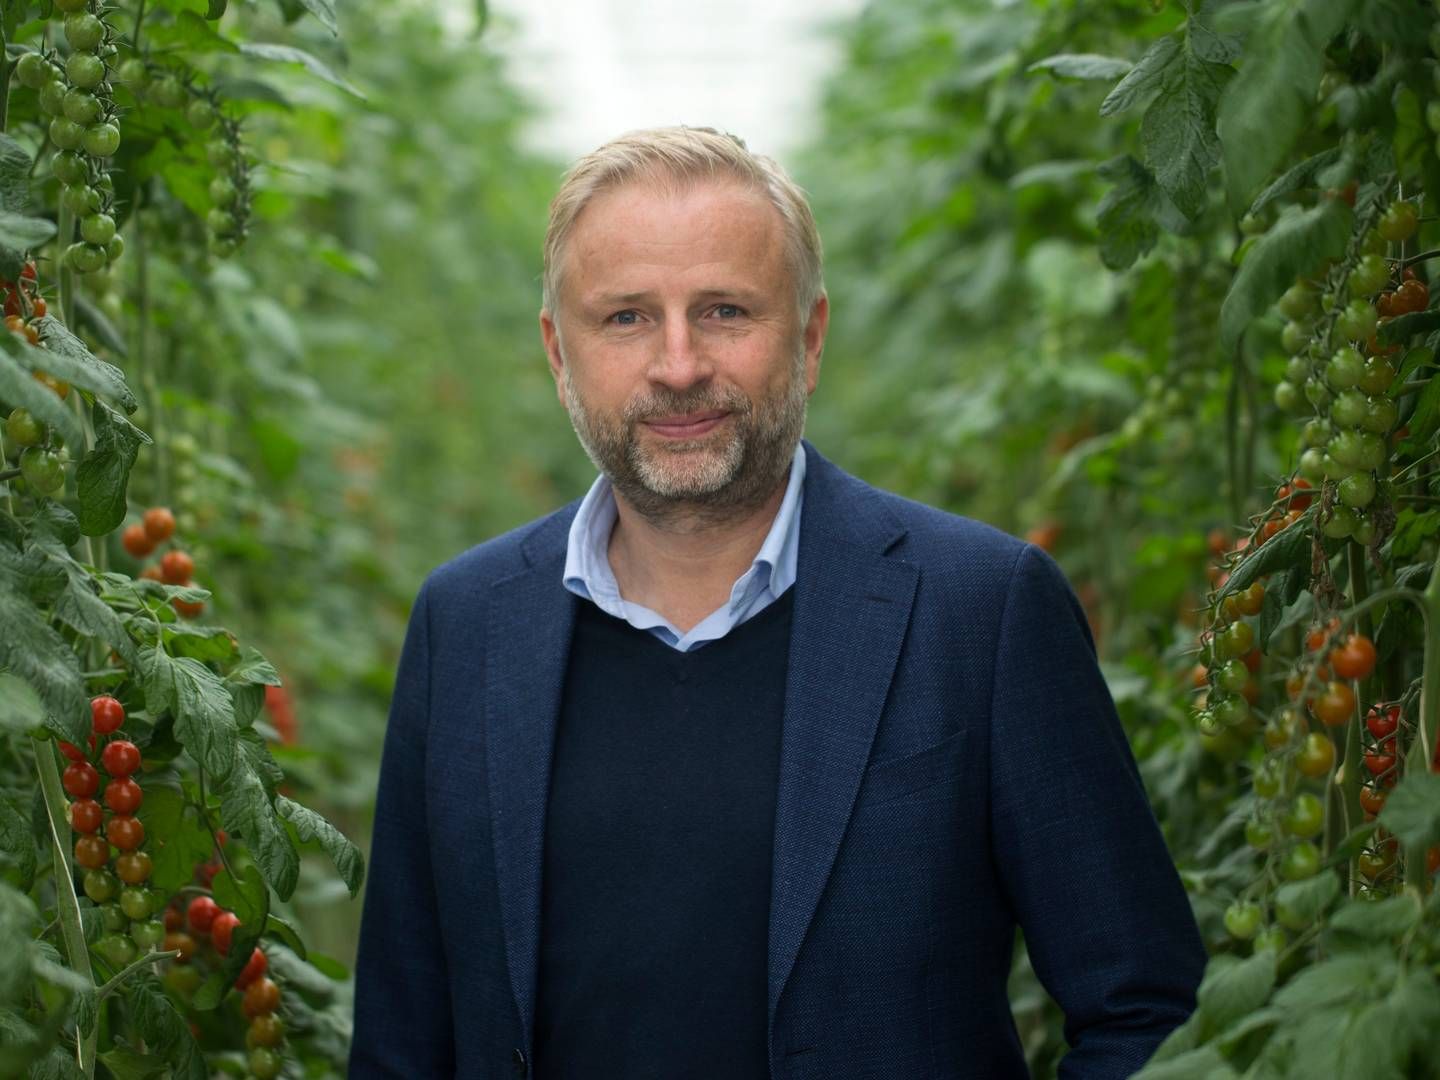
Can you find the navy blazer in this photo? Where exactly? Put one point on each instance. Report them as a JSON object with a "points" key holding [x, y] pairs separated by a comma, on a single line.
{"points": [[951, 766]]}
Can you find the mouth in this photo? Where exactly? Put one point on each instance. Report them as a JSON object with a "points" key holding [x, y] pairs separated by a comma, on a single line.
{"points": [[687, 426]]}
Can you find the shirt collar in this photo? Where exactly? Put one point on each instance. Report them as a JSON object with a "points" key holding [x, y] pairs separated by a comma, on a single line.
{"points": [[587, 566]]}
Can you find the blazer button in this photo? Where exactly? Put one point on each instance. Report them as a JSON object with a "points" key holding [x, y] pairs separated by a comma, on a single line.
{"points": [[517, 1060]]}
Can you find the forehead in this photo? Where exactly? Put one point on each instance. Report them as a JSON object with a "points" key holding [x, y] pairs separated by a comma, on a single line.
{"points": [[643, 229]]}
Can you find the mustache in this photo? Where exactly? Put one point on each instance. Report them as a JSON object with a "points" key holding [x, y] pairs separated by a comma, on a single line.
{"points": [[665, 403]]}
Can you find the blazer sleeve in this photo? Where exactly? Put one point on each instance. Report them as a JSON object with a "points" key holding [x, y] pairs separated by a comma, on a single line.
{"points": [[403, 1022], [1106, 920]]}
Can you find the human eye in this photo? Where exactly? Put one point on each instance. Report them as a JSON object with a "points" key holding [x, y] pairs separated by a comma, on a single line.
{"points": [[628, 317], [728, 312]]}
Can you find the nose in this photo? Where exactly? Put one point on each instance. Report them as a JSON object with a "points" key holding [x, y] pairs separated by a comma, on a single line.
{"points": [[680, 361]]}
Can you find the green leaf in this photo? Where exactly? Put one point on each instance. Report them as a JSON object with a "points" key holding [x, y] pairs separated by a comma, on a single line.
{"points": [[20, 707], [180, 837], [1290, 547], [324, 11], [1178, 131], [19, 387], [129, 1065], [1295, 178], [1082, 66], [81, 608], [190, 32], [203, 643], [1341, 978], [197, 698], [68, 358], [1127, 212], [1295, 245], [1378, 920], [310, 826], [1412, 810], [164, 1029], [288, 54], [1144, 79], [1425, 420], [1202, 1063], [14, 178], [53, 519], [1309, 898], [17, 846], [278, 927], [253, 669], [215, 9], [1231, 990], [102, 478], [31, 650], [58, 1064], [20, 234], [1268, 104], [1403, 327], [247, 811]]}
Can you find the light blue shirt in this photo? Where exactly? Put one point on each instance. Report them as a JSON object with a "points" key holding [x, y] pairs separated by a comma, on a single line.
{"points": [[588, 573]]}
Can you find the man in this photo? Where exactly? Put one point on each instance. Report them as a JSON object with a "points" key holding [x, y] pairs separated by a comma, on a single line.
{"points": [[739, 767]]}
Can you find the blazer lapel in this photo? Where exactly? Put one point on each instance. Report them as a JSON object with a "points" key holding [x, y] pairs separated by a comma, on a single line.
{"points": [[852, 607], [531, 619]]}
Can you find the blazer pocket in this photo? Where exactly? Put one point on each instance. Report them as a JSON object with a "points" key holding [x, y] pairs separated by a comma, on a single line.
{"points": [[897, 776]]}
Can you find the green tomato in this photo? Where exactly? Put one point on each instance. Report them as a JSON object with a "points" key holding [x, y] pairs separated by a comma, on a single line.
{"points": [[1268, 778], [264, 1063], [22, 429], [1349, 408], [66, 133], [1399, 222], [1236, 640], [1233, 676], [1380, 415], [1341, 524], [80, 199], [114, 248], [183, 979], [85, 70], [1364, 533], [1317, 432], [1372, 243], [1312, 465], [1290, 916], [1345, 368], [1371, 273], [86, 258], [1300, 862], [1317, 393], [82, 106], [1379, 373], [148, 934], [1231, 712], [113, 918], [1297, 369], [70, 168], [222, 191], [1357, 321], [33, 70], [1272, 939], [1242, 919], [1289, 399], [1295, 336], [1346, 448], [117, 949], [101, 885], [84, 31], [102, 140], [1357, 491], [42, 471], [1299, 301], [135, 902], [168, 92], [221, 222], [133, 73], [1259, 835], [223, 246], [200, 113], [52, 98], [1305, 817], [97, 228], [220, 153]]}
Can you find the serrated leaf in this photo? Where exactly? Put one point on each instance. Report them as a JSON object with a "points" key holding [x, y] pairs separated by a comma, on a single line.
{"points": [[309, 825], [1126, 215], [1288, 548], [1378, 920], [14, 177], [164, 1029], [324, 12], [17, 843], [254, 669], [203, 643], [288, 54], [329, 967], [1178, 131], [81, 608], [278, 927], [129, 1065], [1337, 980], [102, 478], [20, 707], [199, 702], [18, 386], [57, 1064], [68, 358], [1143, 80], [1295, 178], [20, 234], [1082, 66], [1230, 991], [191, 32], [1295, 245], [31, 650], [1271, 100], [53, 519], [1412, 810], [178, 837], [247, 811]]}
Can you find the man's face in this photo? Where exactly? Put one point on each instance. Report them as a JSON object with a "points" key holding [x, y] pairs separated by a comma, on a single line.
{"points": [[685, 367]]}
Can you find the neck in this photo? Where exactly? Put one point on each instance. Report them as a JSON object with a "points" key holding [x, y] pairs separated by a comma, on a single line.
{"points": [[684, 563]]}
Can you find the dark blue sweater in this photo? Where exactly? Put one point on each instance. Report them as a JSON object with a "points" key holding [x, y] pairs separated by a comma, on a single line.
{"points": [[656, 885]]}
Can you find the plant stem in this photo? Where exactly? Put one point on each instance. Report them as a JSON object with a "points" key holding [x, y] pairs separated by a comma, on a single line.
{"points": [[113, 983], [66, 903], [1428, 722]]}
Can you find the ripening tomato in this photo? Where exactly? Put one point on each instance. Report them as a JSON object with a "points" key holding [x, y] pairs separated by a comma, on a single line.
{"points": [[134, 867], [159, 523], [201, 914], [136, 542], [176, 567], [125, 832], [92, 852], [123, 796], [181, 942], [221, 929], [254, 968], [1372, 799], [1317, 755], [1382, 720], [1354, 658], [262, 996], [1319, 636], [85, 815], [1335, 706], [188, 609]]}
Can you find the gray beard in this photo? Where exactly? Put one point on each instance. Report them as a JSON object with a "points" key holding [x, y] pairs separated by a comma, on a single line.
{"points": [[682, 486]]}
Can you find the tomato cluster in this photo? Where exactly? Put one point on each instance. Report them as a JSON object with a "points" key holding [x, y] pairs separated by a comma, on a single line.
{"points": [[175, 567], [115, 882]]}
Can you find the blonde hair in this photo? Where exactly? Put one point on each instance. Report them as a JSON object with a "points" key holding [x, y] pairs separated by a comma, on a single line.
{"points": [[677, 157]]}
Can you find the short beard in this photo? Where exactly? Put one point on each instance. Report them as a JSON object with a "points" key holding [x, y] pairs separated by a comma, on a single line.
{"points": [[680, 486]]}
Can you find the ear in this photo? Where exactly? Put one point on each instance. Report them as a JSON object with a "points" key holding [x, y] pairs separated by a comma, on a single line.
{"points": [[550, 336], [815, 340]]}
